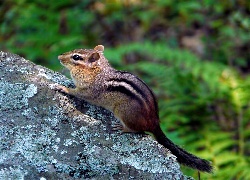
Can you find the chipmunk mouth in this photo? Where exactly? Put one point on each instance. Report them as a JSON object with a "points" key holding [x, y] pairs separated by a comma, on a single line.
{"points": [[60, 58]]}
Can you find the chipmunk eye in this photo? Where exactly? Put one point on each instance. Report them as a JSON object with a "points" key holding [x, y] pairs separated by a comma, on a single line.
{"points": [[77, 57]]}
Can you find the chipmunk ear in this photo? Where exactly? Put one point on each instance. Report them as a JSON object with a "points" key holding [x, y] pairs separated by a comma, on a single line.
{"points": [[99, 48], [94, 57]]}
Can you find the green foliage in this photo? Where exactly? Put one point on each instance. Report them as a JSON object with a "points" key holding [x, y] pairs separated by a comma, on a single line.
{"points": [[39, 32], [204, 99]]}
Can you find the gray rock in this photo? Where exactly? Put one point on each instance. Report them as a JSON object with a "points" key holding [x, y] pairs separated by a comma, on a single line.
{"points": [[49, 135]]}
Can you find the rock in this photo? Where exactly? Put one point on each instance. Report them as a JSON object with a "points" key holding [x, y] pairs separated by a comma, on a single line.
{"points": [[49, 135]]}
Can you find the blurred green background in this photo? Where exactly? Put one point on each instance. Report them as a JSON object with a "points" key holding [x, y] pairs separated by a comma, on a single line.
{"points": [[195, 54]]}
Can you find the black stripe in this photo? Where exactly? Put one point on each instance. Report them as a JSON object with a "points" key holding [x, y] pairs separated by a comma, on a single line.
{"points": [[132, 84], [139, 90], [124, 90], [154, 99]]}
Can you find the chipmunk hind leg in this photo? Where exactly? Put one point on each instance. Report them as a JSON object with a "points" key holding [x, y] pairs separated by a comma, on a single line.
{"points": [[130, 122], [131, 119]]}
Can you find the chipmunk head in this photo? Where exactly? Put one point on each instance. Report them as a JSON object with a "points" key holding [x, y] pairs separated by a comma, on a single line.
{"points": [[84, 58]]}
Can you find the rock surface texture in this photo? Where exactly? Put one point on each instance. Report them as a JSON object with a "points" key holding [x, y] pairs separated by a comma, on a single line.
{"points": [[45, 134]]}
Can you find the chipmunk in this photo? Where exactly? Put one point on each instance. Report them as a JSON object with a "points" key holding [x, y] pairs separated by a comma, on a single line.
{"points": [[124, 94]]}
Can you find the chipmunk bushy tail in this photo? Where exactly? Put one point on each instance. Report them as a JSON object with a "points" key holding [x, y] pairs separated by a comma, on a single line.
{"points": [[183, 156]]}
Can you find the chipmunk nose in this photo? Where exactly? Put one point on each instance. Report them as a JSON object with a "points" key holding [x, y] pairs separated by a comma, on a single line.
{"points": [[60, 57]]}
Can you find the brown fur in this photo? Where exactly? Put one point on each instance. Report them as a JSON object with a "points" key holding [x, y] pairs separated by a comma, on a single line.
{"points": [[128, 97]]}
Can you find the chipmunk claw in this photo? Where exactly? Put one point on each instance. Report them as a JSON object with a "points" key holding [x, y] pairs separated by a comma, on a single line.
{"points": [[117, 127], [120, 127]]}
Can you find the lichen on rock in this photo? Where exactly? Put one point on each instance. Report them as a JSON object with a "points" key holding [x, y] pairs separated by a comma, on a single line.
{"points": [[49, 135]]}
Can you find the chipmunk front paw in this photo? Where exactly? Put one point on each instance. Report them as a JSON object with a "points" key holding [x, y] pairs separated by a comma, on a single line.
{"points": [[60, 88]]}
